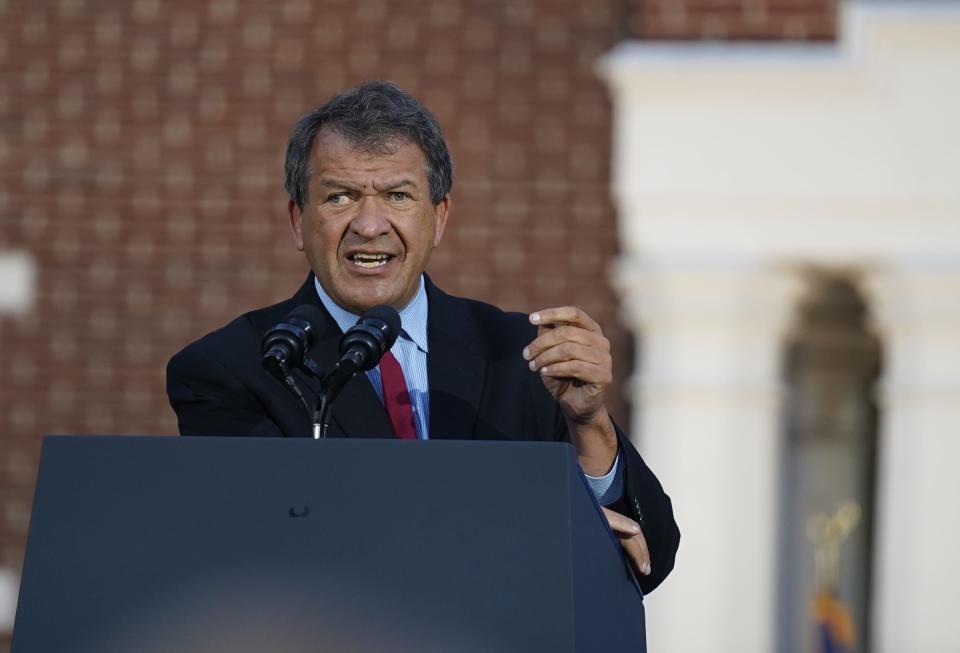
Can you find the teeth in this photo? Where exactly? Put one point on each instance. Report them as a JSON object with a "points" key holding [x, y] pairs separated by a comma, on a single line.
{"points": [[370, 260]]}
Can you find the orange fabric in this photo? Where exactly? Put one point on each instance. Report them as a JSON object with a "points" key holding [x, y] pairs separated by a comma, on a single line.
{"points": [[831, 612]]}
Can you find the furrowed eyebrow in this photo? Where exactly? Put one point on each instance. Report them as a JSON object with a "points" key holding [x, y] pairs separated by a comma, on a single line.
{"points": [[338, 184], [394, 184]]}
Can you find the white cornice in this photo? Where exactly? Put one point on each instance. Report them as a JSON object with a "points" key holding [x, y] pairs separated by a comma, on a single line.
{"points": [[793, 150]]}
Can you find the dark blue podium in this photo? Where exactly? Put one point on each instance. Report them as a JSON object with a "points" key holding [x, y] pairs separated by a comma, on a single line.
{"points": [[163, 544]]}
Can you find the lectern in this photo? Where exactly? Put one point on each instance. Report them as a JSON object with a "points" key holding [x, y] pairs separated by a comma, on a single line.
{"points": [[163, 544]]}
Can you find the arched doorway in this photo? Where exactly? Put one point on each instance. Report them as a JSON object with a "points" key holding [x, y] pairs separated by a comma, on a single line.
{"points": [[829, 460]]}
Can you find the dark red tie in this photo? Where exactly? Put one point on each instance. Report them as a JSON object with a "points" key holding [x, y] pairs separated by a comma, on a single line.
{"points": [[396, 398]]}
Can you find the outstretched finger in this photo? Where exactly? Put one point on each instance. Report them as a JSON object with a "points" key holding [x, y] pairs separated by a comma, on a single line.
{"points": [[569, 351], [551, 337], [631, 539], [564, 315], [621, 524], [636, 548], [580, 370]]}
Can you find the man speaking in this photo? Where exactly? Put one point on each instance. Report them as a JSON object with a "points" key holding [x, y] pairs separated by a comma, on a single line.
{"points": [[369, 179]]}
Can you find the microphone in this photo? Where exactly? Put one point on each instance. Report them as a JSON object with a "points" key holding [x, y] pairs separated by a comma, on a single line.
{"points": [[285, 346], [361, 348], [366, 341]]}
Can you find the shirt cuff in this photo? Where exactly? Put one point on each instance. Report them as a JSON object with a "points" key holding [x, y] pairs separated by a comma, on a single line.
{"points": [[608, 488]]}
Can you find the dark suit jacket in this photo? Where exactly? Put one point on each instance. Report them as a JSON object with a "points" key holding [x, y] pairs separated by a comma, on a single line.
{"points": [[480, 388]]}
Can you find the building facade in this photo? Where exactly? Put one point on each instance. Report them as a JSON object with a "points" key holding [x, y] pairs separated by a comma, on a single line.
{"points": [[784, 197], [754, 183]]}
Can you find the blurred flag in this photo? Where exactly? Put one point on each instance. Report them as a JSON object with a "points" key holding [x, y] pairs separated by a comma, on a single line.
{"points": [[832, 618], [833, 622]]}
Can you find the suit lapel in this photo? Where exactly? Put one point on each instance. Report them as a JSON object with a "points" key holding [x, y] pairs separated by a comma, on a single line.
{"points": [[455, 367]]}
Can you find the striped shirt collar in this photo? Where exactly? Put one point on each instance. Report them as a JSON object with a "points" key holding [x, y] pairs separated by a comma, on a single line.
{"points": [[413, 316]]}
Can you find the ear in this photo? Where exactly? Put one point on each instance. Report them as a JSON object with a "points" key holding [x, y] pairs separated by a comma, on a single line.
{"points": [[296, 223], [441, 211]]}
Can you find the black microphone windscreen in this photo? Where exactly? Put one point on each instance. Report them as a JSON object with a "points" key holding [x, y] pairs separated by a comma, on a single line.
{"points": [[308, 313], [389, 316]]}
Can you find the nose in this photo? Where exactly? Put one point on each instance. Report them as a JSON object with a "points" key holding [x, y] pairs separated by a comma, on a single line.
{"points": [[371, 220]]}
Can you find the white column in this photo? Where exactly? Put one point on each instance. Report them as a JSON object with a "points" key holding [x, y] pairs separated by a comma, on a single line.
{"points": [[707, 420], [917, 577]]}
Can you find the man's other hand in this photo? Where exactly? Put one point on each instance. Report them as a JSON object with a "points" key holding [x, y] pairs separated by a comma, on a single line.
{"points": [[631, 539], [573, 358]]}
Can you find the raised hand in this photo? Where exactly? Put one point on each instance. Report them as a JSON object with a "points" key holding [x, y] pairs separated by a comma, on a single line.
{"points": [[573, 358]]}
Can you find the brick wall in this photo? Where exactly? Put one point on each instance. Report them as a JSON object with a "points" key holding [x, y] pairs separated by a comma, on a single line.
{"points": [[140, 159], [813, 20]]}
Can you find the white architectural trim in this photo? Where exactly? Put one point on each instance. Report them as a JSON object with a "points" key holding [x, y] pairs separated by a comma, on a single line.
{"points": [[735, 163], [17, 291], [786, 143], [705, 407], [917, 314], [9, 586], [17, 282]]}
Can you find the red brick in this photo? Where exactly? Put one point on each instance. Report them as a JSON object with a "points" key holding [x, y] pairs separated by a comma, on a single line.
{"points": [[142, 170]]}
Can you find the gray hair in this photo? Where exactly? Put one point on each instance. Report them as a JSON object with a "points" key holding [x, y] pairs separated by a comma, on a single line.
{"points": [[370, 117]]}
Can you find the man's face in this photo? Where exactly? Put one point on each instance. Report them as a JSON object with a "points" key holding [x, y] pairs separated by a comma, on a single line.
{"points": [[368, 227]]}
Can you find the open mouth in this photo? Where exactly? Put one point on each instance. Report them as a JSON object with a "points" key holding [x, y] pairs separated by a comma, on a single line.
{"points": [[370, 261]]}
